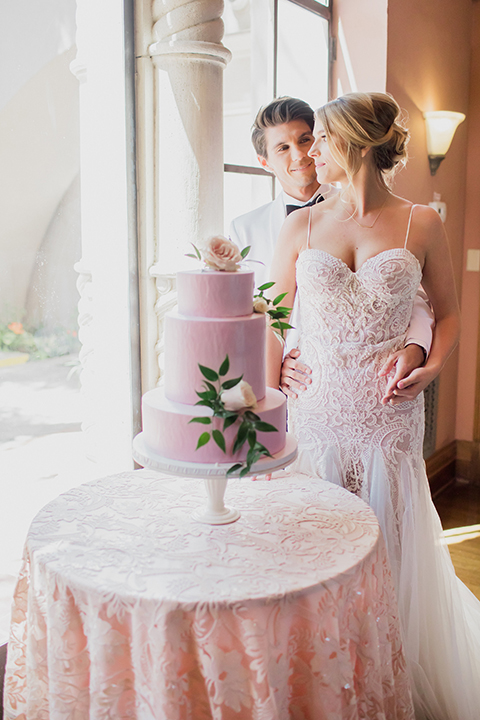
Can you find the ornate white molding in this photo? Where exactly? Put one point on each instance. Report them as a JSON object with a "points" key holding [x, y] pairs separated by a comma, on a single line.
{"points": [[189, 28], [166, 290]]}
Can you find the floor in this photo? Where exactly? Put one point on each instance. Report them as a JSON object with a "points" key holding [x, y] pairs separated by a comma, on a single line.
{"points": [[41, 454], [459, 510]]}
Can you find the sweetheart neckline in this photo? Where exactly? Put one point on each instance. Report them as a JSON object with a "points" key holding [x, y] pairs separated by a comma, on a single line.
{"points": [[373, 257]]}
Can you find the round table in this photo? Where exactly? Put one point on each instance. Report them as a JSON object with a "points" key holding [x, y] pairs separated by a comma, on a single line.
{"points": [[127, 608]]}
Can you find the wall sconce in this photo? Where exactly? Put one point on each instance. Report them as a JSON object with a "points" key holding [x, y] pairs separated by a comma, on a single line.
{"points": [[441, 126]]}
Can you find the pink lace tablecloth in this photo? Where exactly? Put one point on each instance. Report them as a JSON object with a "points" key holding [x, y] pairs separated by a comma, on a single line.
{"points": [[127, 608]]}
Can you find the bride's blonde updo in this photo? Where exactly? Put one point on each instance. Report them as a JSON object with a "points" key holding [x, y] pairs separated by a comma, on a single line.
{"points": [[359, 120]]}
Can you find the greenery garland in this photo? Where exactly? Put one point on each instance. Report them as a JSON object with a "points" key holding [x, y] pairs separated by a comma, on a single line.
{"points": [[249, 422]]}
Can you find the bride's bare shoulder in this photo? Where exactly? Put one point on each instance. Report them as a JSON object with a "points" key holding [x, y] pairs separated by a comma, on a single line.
{"points": [[427, 219], [423, 217]]}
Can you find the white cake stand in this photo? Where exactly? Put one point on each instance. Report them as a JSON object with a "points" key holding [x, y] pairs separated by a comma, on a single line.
{"points": [[214, 476]]}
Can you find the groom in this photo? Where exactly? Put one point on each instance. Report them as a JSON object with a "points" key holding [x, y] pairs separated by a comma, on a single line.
{"points": [[282, 136]]}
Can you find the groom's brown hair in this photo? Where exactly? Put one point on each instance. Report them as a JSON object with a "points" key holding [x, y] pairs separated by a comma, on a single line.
{"points": [[279, 111]]}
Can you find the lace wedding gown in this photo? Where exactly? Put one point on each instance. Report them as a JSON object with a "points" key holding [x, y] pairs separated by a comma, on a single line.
{"points": [[350, 323]]}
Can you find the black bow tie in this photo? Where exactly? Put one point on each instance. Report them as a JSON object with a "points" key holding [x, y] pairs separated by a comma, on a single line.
{"points": [[292, 208]]}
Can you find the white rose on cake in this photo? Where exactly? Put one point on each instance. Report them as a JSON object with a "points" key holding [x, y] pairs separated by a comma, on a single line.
{"points": [[219, 253], [260, 305], [239, 397]]}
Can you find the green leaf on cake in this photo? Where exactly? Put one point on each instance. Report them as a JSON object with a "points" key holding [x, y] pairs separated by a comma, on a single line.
{"points": [[245, 251], [279, 298], [197, 255], [203, 440], [210, 387], [251, 437], [219, 439], [207, 395], [252, 456], [229, 421], [262, 449], [202, 420], [265, 427], [205, 403], [249, 415], [241, 436], [234, 468], [266, 286], [231, 383], [208, 373], [281, 325], [224, 367]]}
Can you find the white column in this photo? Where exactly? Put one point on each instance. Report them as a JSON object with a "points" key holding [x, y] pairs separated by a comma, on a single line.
{"points": [[186, 141]]}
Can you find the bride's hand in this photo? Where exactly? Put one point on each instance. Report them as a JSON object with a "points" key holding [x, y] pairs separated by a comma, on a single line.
{"points": [[294, 376], [409, 378]]}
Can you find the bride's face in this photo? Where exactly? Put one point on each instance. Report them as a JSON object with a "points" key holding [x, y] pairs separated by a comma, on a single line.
{"points": [[327, 169]]}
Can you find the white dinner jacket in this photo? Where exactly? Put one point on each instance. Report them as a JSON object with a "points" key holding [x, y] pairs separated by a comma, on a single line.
{"points": [[260, 229]]}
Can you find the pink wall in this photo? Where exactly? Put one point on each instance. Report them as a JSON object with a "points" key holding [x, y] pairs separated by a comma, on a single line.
{"points": [[428, 65], [471, 280]]}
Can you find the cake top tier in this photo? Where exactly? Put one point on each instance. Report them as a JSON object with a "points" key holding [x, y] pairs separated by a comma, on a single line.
{"points": [[215, 293]]}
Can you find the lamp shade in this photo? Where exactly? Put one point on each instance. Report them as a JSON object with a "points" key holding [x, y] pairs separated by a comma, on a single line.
{"points": [[441, 126]]}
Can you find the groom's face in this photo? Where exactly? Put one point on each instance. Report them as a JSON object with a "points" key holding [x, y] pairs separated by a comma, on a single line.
{"points": [[287, 156]]}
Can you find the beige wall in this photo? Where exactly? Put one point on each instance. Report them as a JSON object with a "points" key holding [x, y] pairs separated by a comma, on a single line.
{"points": [[468, 358], [420, 52], [360, 28], [428, 65]]}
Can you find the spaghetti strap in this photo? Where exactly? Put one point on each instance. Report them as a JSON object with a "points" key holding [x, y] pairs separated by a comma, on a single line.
{"points": [[408, 226], [309, 230]]}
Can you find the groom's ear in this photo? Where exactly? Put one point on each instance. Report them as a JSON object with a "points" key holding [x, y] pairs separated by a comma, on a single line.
{"points": [[264, 163]]}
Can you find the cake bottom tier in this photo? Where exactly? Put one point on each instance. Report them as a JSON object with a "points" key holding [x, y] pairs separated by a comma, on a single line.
{"points": [[168, 433]]}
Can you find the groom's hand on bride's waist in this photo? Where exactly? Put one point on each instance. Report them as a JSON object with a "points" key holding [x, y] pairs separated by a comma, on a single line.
{"points": [[408, 378], [295, 376]]}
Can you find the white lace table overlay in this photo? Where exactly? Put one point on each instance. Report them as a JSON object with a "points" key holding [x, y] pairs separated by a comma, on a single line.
{"points": [[127, 608]]}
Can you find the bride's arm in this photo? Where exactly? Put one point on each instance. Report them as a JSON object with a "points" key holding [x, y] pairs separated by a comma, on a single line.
{"points": [[282, 273], [438, 281]]}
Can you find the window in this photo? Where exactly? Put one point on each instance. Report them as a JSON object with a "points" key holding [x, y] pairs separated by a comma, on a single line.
{"points": [[279, 47]]}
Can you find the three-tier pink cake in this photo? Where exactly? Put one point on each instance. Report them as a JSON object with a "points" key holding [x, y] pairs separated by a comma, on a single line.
{"points": [[214, 319]]}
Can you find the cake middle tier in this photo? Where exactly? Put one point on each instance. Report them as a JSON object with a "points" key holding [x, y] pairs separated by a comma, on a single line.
{"points": [[190, 341]]}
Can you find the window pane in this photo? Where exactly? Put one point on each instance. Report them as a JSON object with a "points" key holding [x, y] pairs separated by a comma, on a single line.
{"points": [[302, 71], [243, 193], [248, 77], [302, 63]]}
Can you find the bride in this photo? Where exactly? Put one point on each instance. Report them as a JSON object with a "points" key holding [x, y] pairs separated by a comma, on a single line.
{"points": [[357, 260]]}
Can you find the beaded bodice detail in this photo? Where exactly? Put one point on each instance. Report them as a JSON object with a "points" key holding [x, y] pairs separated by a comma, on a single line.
{"points": [[364, 308]]}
